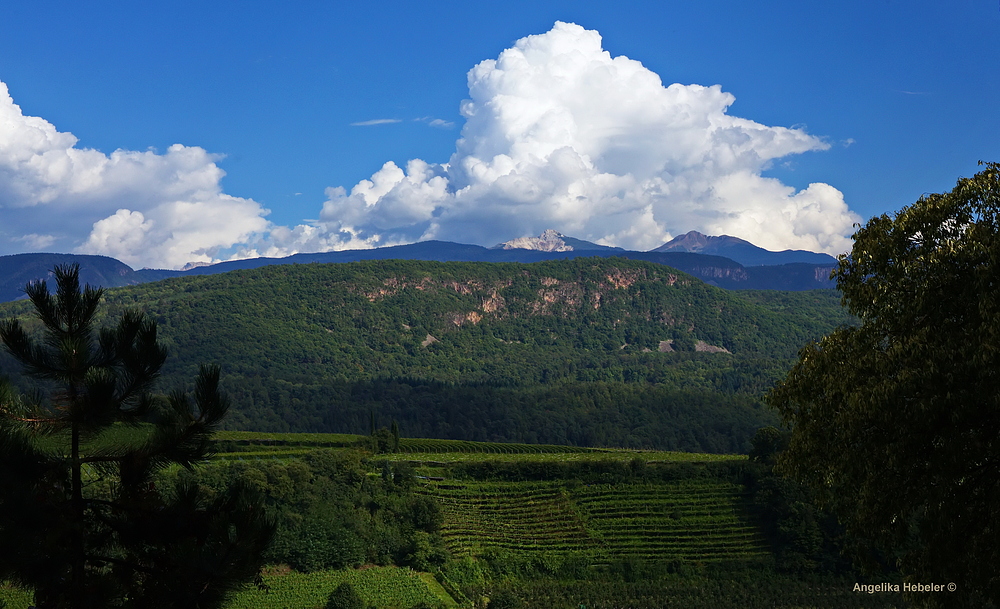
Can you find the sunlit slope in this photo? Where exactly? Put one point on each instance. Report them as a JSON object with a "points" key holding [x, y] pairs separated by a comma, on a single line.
{"points": [[599, 506], [694, 520], [590, 351]]}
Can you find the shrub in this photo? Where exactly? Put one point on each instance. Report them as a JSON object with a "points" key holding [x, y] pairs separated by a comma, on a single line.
{"points": [[505, 599], [344, 597]]}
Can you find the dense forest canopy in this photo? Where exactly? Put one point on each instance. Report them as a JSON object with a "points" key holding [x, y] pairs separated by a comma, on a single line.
{"points": [[590, 351], [895, 422]]}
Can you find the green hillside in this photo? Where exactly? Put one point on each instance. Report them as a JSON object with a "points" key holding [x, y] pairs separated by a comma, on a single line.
{"points": [[548, 526], [694, 520], [589, 352], [562, 526]]}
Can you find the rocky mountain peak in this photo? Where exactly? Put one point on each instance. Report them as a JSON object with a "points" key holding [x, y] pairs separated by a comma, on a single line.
{"points": [[549, 241], [693, 241], [740, 250]]}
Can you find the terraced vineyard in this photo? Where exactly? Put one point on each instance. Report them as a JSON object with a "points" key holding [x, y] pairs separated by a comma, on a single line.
{"points": [[257, 444], [515, 516], [232, 445], [244, 444], [745, 591], [257, 438], [562, 526], [696, 520], [377, 586], [571, 456], [430, 445], [690, 519]]}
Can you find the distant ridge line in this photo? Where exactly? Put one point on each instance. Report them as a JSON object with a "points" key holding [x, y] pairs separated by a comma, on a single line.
{"points": [[16, 270]]}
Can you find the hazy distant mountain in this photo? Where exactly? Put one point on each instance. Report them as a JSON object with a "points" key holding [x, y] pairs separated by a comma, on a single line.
{"points": [[718, 270], [741, 251], [552, 241], [20, 269], [715, 270]]}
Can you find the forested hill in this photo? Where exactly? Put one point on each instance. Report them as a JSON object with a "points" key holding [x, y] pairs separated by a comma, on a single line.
{"points": [[595, 351], [783, 272]]}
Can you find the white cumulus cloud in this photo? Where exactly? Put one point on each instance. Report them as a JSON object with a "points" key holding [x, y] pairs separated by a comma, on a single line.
{"points": [[144, 208], [560, 134]]}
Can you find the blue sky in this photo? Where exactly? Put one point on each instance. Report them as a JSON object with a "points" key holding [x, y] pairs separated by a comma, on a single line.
{"points": [[880, 102]]}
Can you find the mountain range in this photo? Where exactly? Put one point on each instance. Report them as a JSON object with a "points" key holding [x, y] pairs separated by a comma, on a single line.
{"points": [[726, 262], [744, 252]]}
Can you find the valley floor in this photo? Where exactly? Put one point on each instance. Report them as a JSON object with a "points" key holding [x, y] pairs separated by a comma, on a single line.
{"points": [[536, 526]]}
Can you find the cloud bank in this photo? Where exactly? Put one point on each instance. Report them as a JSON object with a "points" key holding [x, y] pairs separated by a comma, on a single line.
{"points": [[144, 208], [558, 134]]}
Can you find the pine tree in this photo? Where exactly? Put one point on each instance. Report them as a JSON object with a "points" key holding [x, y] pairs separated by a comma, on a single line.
{"points": [[394, 430], [82, 520]]}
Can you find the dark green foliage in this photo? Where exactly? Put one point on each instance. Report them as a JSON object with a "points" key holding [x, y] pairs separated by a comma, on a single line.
{"points": [[658, 583], [636, 415], [82, 522], [631, 415], [755, 589], [344, 597], [896, 423], [382, 441], [767, 443], [597, 471], [546, 352], [428, 551], [603, 532], [804, 538], [332, 515], [505, 599], [403, 474], [427, 605]]}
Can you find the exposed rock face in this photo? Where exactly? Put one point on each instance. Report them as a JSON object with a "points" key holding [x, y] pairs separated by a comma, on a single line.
{"points": [[493, 303], [703, 346], [732, 273], [547, 295], [548, 241], [822, 273]]}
